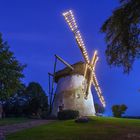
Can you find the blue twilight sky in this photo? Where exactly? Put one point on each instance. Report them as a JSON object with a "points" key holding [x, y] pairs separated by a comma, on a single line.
{"points": [[36, 30]]}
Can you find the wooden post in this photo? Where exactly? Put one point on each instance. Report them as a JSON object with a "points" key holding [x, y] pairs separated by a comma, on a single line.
{"points": [[64, 62], [51, 96]]}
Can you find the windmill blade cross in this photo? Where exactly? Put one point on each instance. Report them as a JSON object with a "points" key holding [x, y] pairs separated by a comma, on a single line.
{"points": [[69, 17], [91, 67]]}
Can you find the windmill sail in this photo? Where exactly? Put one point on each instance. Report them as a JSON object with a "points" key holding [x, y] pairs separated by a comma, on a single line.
{"points": [[94, 79], [98, 89], [69, 17]]}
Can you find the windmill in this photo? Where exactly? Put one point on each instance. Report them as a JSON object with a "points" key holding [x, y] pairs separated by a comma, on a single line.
{"points": [[71, 98]]}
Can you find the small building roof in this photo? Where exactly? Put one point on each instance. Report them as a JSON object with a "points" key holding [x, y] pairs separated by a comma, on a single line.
{"points": [[79, 68]]}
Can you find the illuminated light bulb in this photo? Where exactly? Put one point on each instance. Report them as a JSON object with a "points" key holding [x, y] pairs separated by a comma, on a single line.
{"points": [[64, 14], [84, 48], [96, 51], [66, 18], [70, 11]]}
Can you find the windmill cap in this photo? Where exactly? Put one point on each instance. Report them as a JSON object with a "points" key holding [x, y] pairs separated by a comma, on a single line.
{"points": [[79, 68]]}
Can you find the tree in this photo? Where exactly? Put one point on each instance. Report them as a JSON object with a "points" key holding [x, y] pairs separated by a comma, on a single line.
{"points": [[36, 98], [16, 104], [10, 72], [118, 110], [122, 34], [30, 101], [99, 108]]}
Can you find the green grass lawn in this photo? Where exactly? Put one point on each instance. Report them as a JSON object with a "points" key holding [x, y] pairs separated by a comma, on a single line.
{"points": [[8, 121], [98, 128]]}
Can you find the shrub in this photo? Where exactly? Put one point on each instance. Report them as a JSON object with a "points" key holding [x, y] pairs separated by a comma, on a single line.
{"points": [[67, 114], [118, 110]]}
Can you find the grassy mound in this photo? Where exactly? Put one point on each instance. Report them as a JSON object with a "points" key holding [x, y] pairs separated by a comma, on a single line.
{"points": [[98, 128]]}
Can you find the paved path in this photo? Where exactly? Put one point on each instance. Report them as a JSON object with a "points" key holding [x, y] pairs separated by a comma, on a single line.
{"points": [[7, 129]]}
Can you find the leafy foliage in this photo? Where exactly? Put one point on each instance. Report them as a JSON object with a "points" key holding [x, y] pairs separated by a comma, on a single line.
{"points": [[68, 114], [118, 110], [123, 34], [10, 71]]}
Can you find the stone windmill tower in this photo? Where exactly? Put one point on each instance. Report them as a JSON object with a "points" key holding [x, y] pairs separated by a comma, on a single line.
{"points": [[74, 82]]}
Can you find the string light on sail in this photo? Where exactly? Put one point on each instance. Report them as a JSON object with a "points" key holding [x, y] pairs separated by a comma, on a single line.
{"points": [[69, 17], [98, 90]]}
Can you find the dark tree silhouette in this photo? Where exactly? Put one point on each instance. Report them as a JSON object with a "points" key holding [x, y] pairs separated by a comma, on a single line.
{"points": [[118, 110], [16, 104], [10, 72], [122, 30], [37, 101], [30, 101]]}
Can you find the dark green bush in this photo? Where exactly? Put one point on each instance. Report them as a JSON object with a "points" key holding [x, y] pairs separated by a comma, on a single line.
{"points": [[67, 114]]}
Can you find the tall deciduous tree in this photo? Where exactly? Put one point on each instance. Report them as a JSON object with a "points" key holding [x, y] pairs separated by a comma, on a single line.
{"points": [[122, 34], [10, 72]]}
